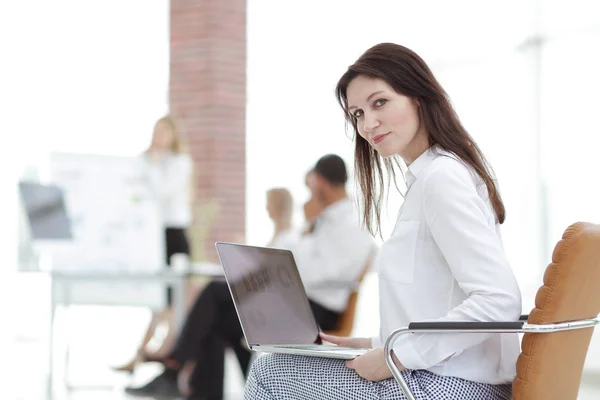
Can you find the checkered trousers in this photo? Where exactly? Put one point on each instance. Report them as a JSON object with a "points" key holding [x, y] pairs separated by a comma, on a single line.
{"points": [[293, 377]]}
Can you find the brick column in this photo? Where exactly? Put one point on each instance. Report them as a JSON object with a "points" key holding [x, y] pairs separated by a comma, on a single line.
{"points": [[208, 94]]}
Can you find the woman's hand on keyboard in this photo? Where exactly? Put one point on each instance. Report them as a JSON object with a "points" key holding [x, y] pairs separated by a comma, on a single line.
{"points": [[359, 343]]}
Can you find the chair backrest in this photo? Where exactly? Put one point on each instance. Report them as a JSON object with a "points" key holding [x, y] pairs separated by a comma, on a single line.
{"points": [[346, 321], [550, 364]]}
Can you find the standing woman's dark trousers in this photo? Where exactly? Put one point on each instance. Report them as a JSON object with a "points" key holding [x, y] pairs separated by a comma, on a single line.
{"points": [[175, 242], [212, 325]]}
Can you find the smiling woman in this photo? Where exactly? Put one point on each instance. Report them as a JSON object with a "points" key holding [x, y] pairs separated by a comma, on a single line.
{"points": [[389, 121], [443, 262]]}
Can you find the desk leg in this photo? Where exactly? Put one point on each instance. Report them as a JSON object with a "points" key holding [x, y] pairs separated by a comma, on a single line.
{"points": [[49, 385], [179, 313], [67, 322]]}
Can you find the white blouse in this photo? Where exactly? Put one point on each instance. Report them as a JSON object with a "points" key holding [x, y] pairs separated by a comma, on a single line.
{"points": [[445, 262], [170, 181]]}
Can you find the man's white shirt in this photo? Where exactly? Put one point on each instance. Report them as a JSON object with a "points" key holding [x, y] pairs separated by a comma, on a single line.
{"points": [[331, 258]]}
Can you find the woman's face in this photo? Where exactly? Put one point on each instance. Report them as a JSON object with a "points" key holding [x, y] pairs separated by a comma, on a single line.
{"points": [[316, 186], [163, 136], [272, 206], [388, 120]]}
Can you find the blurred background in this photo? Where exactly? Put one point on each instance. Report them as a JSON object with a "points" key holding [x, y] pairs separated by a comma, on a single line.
{"points": [[82, 84]]}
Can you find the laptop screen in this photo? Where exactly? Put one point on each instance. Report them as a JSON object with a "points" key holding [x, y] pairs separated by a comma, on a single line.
{"points": [[46, 213], [268, 294]]}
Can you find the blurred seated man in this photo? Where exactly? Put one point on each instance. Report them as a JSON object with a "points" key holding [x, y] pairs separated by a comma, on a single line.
{"points": [[333, 249]]}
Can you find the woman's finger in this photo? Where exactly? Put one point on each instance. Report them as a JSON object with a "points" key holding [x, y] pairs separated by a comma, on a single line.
{"points": [[331, 338]]}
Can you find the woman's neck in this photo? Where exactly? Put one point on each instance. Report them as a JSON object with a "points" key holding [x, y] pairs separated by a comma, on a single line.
{"points": [[282, 226]]}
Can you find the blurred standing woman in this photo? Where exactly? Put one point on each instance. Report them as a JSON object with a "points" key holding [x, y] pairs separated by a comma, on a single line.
{"points": [[167, 170]]}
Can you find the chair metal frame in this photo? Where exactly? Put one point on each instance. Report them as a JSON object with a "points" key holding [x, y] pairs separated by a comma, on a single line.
{"points": [[473, 327]]}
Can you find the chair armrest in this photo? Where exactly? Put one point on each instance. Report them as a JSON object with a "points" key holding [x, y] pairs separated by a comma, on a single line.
{"points": [[473, 327], [462, 326], [492, 327]]}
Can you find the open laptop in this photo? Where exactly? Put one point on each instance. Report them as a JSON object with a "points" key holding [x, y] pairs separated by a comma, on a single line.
{"points": [[45, 210], [271, 302]]}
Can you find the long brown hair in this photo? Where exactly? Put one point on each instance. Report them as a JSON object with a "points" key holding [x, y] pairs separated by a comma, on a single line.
{"points": [[409, 75]]}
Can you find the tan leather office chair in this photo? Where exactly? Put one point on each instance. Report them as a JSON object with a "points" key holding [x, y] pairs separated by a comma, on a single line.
{"points": [[557, 331], [346, 321]]}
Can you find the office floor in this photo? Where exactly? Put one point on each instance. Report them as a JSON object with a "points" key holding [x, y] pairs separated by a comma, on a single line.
{"points": [[94, 346], [99, 337]]}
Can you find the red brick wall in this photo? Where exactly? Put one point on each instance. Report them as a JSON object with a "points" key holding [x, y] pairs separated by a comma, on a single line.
{"points": [[208, 93]]}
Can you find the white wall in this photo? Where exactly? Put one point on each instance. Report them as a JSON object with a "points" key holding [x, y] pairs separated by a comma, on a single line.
{"points": [[76, 76]]}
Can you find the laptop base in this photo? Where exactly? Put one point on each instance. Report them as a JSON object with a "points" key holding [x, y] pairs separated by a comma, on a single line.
{"points": [[313, 350]]}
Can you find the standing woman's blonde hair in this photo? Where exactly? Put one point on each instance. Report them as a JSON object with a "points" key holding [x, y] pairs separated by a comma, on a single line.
{"points": [[178, 145]]}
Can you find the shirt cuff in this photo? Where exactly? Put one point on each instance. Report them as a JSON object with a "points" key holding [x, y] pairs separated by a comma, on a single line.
{"points": [[376, 342], [407, 355]]}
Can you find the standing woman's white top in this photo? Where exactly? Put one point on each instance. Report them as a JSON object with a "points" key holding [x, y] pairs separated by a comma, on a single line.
{"points": [[169, 177]]}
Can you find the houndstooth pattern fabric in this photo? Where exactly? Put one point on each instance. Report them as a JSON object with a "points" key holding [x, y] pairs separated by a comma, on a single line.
{"points": [[292, 377]]}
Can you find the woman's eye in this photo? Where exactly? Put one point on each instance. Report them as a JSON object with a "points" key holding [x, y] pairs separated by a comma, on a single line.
{"points": [[357, 114], [379, 102]]}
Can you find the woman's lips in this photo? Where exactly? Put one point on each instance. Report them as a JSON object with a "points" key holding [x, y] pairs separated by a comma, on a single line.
{"points": [[379, 138]]}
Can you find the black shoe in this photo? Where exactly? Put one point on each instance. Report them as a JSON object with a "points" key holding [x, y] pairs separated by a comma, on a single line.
{"points": [[164, 385]]}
